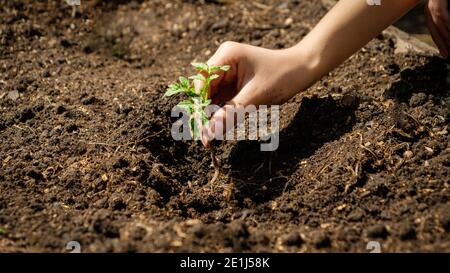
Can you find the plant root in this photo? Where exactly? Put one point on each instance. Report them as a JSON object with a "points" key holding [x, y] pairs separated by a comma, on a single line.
{"points": [[215, 176], [216, 166], [267, 160]]}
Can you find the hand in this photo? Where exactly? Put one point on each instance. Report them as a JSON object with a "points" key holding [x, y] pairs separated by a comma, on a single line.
{"points": [[438, 20], [266, 77], [257, 76]]}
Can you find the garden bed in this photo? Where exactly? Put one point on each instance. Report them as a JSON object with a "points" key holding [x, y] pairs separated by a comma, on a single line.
{"points": [[86, 152]]}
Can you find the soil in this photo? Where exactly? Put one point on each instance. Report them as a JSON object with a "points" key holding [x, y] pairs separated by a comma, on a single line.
{"points": [[86, 152]]}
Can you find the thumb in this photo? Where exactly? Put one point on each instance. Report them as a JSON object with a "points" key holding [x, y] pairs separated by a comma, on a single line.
{"points": [[229, 53]]}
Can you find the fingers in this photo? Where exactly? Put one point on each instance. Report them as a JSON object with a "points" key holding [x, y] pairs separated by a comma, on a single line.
{"points": [[436, 36], [442, 27], [215, 126], [438, 21], [225, 118], [223, 93], [227, 54]]}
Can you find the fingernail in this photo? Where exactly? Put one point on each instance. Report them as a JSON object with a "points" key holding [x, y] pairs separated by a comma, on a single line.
{"points": [[205, 137], [205, 142], [210, 134]]}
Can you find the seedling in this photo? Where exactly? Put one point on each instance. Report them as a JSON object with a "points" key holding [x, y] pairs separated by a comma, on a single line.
{"points": [[197, 101]]}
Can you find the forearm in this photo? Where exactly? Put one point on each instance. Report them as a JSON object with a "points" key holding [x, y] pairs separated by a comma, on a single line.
{"points": [[344, 30]]}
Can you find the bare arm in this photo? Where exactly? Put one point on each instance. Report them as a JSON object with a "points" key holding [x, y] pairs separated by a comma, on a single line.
{"points": [[438, 21], [345, 29], [260, 76]]}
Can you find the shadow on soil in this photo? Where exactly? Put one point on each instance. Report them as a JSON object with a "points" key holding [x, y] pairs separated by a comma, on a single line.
{"points": [[425, 84], [319, 120], [430, 79]]}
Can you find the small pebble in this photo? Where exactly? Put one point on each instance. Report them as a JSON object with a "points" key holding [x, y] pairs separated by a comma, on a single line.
{"points": [[116, 203], [444, 220], [408, 154], [288, 21], [199, 230], [46, 74], [377, 231], [292, 239], [13, 95], [60, 109], [321, 240], [406, 232], [356, 215]]}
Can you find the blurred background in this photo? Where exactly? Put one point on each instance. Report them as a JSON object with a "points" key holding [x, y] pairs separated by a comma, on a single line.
{"points": [[414, 23]]}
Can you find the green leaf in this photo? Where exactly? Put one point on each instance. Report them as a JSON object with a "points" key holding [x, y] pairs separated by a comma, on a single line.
{"points": [[206, 103], [214, 76], [199, 77], [201, 67], [186, 108], [188, 102], [192, 93], [223, 68], [197, 104], [187, 105], [174, 89], [184, 83]]}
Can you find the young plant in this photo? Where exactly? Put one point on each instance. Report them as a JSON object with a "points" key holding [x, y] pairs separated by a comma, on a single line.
{"points": [[197, 101]]}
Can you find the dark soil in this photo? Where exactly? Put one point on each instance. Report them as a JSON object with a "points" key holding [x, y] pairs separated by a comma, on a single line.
{"points": [[86, 152]]}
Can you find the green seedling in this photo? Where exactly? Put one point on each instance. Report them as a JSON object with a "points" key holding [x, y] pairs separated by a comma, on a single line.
{"points": [[198, 100]]}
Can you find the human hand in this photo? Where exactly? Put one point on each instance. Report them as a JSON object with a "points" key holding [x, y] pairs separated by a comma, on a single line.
{"points": [[257, 76], [438, 21]]}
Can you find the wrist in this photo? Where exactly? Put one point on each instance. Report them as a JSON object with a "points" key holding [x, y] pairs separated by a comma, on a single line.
{"points": [[306, 64]]}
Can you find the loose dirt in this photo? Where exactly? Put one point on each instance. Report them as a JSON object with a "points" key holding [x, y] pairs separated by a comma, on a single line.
{"points": [[86, 152]]}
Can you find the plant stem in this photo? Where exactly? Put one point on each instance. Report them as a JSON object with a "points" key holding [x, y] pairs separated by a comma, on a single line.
{"points": [[205, 90], [215, 164]]}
